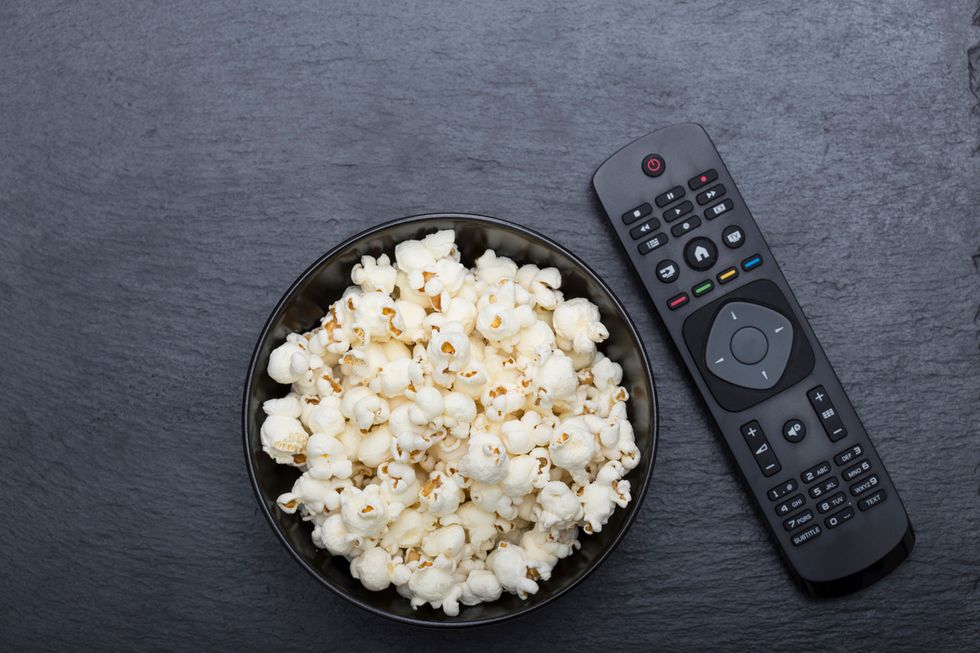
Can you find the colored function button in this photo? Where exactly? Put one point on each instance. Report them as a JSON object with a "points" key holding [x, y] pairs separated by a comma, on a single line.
{"points": [[794, 430], [641, 211], [672, 214], [653, 165], [713, 212], [872, 500], [812, 474], [825, 410], [702, 288], [712, 193], [782, 489], [848, 455], [667, 271], [805, 536], [823, 488], [641, 230], [702, 179], [796, 521], [674, 193], [852, 473], [759, 446], [751, 262], [790, 505], [835, 501], [839, 518], [733, 237], [869, 483], [648, 246], [727, 275], [682, 228], [677, 301]]}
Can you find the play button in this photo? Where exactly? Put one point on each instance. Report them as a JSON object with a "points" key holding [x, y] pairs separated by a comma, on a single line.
{"points": [[700, 254]]}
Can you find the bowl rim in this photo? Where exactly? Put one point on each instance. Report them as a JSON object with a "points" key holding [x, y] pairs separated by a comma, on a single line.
{"points": [[635, 504]]}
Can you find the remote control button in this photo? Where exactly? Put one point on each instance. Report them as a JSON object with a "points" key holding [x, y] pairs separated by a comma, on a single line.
{"points": [[848, 455], [725, 363], [704, 178], [648, 246], [710, 194], [835, 501], [677, 301], [806, 536], [700, 254], [761, 451], [812, 474], [733, 237], [751, 262], [782, 490], [749, 345], [790, 505], [713, 212], [796, 521], [672, 214], [869, 483], [641, 211], [872, 500], [839, 518], [823, 488], [727, 275], [682, 228], [654, 165], [674, 193], [794, 430], [825, 410], [702, 288], [667, 271], [641, 230], [853, 472]]}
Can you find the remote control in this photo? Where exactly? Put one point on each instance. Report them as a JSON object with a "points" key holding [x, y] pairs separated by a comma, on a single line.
{"points": [[804, 454]]}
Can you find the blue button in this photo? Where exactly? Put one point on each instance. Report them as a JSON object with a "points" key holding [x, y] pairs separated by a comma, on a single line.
{"points": [[752, 262]]}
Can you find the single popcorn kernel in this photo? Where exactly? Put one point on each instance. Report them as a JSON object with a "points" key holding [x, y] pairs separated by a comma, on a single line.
{"points": [[455, 470]]}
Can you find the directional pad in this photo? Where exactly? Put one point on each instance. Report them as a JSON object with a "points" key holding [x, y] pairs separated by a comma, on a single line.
{"points": [[749, 345]]}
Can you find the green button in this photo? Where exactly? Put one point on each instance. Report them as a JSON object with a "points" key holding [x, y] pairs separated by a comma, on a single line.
{"points": [[702, 288]]}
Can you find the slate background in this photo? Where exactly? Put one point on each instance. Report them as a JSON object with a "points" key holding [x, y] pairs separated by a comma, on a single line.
{"points": [[168, 168]]}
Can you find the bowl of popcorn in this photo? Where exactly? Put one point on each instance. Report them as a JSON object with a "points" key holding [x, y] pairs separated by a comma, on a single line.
{"points": [[449, 420]]}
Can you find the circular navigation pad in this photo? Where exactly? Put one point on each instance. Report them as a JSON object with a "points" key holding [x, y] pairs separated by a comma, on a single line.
{"points": [[749, 345]]}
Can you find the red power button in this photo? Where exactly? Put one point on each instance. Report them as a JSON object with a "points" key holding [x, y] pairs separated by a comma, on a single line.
{"points": [[653, 165]]}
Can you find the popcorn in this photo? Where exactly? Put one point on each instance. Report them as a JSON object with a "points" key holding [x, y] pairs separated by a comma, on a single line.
{"points": [[600, 497], [572, 446], [577, 326], [372, 568], [456, 429]]}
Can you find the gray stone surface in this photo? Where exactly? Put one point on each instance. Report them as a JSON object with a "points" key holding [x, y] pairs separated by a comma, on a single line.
{"points": [[167, 169]]}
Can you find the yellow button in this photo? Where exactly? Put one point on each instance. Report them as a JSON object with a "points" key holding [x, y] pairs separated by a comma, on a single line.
{"points": [[727, 275]]}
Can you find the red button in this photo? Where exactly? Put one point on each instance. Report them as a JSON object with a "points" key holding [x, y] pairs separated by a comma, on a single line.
{"points": [[653, 165], [676, 302]]}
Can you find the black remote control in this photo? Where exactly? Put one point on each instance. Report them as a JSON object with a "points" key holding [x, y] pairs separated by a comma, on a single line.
{"points": [[808, 462]]}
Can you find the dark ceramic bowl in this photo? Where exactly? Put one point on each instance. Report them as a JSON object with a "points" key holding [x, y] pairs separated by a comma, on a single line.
{"points": [[307, 300]]}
